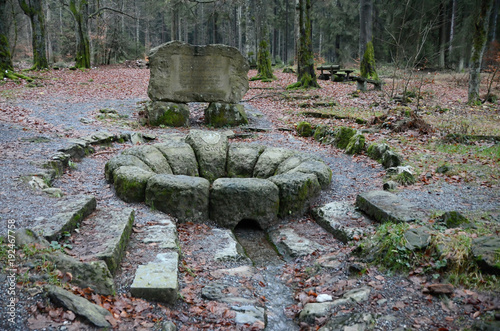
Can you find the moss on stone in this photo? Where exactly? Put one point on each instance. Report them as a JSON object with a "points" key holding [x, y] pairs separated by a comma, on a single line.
{"points": [[368, 63], [343, 136], [304, 129], [320, 132], [356, 144]]}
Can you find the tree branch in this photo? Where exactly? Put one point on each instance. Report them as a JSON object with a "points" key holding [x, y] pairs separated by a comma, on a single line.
{"points": [[110, 9]]}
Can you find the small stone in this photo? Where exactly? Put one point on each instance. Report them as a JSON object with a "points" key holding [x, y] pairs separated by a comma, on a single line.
{"points": [[53, 191], [439, 289], [390, 185], [324, 298]]}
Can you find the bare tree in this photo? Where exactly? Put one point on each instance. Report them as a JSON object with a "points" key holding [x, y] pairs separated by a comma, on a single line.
{"points": [[478, 46]]}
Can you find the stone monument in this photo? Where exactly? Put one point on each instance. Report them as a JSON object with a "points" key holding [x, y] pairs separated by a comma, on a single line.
{"points": [[182, 73]]}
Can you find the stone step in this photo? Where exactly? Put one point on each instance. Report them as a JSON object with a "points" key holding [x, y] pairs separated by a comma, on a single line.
{"points": [[157, 280], [72, 211], [292, 245], [105, 236], [384, 206], [342, 220], [93, 274]]}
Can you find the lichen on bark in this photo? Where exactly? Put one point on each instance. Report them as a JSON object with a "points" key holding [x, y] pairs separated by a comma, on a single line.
{"points": [[368, 63], [264, 67]]}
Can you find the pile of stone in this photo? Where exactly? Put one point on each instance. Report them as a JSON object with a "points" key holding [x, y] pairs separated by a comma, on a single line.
{"points": [[182, 73], [203, 176]]}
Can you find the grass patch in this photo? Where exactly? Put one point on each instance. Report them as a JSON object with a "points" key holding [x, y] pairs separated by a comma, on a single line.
{"points": [[448, 255]]}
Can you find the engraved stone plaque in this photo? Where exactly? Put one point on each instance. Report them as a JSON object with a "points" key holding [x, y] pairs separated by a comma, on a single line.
{"points": [[185, 73]]}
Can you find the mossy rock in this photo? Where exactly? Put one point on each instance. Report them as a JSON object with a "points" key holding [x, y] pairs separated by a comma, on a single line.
{"points": [[130, 183], [296, 190], [343, 135], [356, 144], [375, 151], [321, 132], [225, 114], [405, 178], [168, 114], [391, 159], [454, 219], [304, 129]]}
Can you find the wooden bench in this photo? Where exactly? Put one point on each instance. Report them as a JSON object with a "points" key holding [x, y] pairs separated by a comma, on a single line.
{"points": [[377, 84], [334, 70]]}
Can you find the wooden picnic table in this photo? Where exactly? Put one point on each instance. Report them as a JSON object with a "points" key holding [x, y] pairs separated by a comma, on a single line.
{"points": [[334, 69]]}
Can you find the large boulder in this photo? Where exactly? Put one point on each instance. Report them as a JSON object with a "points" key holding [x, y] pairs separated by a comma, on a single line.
{"points": [[120, 161], [184, 73], [167, 113], [184, 197], [210, 149], [130, 183], [296, 190], [318, 168], [180, 156], [152, 157], [241, 159], [235, 199], [225, 114], [269, 161]]}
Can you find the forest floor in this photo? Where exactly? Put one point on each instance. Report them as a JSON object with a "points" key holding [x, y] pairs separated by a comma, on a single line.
{"points": [[36, 118]]}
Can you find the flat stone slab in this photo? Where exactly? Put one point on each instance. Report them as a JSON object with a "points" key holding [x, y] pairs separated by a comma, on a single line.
{"points": [[80, 306], [229, 249], [164, 235], [387, 207], [157, 280], [486, 251], [250, 315], [180, 72], [108, 234], [315, 310], [353, 321], [336, 217], [72, 211], [292, 244]]}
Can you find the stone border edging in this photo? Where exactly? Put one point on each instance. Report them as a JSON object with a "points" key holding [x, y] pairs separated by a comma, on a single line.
{"points": [[265, 182]]}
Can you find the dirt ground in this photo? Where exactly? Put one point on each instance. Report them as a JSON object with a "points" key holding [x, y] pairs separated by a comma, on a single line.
{"points": [[37, 118]]}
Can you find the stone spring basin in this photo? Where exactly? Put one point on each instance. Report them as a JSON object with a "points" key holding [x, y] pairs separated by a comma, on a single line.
{"points": [[203, 176]]}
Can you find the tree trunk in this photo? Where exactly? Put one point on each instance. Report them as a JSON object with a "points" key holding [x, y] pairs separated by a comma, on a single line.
{"points": [[80, 11], [264, 69], [493, 23], [306, 73], [174, 27], [478, 45], [34, 10], [452, 27], [5, 59], [365, 25], [442, 35]]}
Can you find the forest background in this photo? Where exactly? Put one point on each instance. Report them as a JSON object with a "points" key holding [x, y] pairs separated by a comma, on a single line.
{"points": [[431, 33]]}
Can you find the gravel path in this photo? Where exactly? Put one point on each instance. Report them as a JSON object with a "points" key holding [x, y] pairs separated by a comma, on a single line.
{"points": [[23, 149]]}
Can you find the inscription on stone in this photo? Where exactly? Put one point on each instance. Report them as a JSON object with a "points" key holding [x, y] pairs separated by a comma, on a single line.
{"points": [[184, 73]]}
